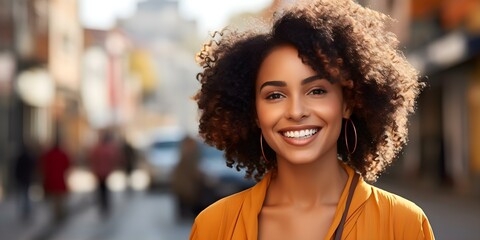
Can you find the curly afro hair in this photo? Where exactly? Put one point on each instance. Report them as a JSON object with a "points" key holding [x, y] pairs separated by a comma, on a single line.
{"points": [[339, 39]]}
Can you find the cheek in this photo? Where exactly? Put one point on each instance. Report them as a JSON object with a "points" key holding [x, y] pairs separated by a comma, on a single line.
{"points": [[331, 110], [262, 114], [336, 114], [337, 105], [267, 114]]}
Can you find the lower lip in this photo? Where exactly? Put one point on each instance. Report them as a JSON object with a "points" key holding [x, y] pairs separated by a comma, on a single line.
{"points": [[300, 141]]}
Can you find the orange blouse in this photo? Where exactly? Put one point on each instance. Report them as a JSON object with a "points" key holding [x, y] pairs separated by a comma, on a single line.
{"points": [[373, 214]]}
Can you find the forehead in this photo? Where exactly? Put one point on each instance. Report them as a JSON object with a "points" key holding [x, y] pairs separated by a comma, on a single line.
{"points": [[283, 63]]}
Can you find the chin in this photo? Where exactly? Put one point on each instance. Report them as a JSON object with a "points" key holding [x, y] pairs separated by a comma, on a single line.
{"points": [[300, 159]]}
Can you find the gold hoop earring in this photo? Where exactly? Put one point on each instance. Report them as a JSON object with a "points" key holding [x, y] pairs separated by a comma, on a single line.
{"points": [[261, 148], [348, 120]]}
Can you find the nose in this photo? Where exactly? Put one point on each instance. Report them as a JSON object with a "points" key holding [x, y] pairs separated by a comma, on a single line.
{"points": [[297, 109]]}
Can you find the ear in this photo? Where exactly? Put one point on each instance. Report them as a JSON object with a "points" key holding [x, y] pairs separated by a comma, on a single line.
{"points": [[347, 110]]}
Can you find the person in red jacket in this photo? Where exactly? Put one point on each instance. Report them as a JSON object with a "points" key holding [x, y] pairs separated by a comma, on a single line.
{"points": [[104, 158], [54, 166]]}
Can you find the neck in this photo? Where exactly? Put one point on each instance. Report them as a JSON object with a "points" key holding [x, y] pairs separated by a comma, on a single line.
{"points": [[307, 185]]}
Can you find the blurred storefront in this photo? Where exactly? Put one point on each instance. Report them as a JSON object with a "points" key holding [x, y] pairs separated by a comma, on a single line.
{"points": [[7, 69], [41, 41], [444, 45], [64, 64], [111, 90], [23, 33]]}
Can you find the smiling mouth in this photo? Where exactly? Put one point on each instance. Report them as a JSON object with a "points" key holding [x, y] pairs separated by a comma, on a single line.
{"points": [[300, 134]]}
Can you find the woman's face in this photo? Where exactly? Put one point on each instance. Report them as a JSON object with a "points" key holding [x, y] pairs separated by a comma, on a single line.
{"points": [[300, 114]]}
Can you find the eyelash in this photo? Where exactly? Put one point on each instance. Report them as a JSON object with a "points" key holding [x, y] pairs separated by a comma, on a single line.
{"points": [[322, 91], [276, 95]]}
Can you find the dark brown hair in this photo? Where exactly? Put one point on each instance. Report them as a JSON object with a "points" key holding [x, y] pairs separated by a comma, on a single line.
{"points": [[340, 39]]}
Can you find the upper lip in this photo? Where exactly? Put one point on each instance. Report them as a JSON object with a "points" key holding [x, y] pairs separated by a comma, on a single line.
{"points": [[298, 128]]}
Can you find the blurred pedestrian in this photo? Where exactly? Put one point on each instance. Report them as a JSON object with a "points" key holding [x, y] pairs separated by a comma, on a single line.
{"points": [[55, 164], [104, 158], [24, 168], [129, 159], [188, 180]]}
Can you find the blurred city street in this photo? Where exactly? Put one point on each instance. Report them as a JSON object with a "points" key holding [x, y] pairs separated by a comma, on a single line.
{"points": [[146, 215], [140, 215], [94, 91]]}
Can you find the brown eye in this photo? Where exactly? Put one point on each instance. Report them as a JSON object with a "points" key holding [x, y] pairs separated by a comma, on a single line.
{"points": [[317, 91], [274, 96]]}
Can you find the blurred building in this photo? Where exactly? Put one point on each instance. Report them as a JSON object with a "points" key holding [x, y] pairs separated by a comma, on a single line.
{"points": [[445, 47], [109, 91], [8, 64], [41, 44], [65, 53], [164, 38]]}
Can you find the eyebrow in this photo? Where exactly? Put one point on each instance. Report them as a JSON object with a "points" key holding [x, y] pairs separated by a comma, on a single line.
{"points": [[283, 84], [313, 78]]}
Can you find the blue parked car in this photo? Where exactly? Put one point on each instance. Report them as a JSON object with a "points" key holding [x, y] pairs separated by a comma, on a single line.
{"points": [[223, 180], [162, 155], [202, 177]]}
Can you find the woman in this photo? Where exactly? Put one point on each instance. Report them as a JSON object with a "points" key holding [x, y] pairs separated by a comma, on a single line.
{"points": [[311, 108]]}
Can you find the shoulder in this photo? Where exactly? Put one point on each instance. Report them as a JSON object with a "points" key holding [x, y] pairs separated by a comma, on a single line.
{"points": [[217, 218], [222, 206], [406, 216], [402, 207]]}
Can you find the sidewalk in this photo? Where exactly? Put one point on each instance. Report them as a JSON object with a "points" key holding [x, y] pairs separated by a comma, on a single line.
{"points": [[39, 226]]}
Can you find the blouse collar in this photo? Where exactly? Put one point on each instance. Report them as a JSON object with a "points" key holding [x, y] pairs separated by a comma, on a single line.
{"points": [[254, 202]]}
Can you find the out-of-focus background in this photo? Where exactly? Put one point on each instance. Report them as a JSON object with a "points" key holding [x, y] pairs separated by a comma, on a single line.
{"points": [[98, 134]]}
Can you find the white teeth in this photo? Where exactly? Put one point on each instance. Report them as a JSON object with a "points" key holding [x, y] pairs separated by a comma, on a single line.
{"points": [[300, 134]]}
